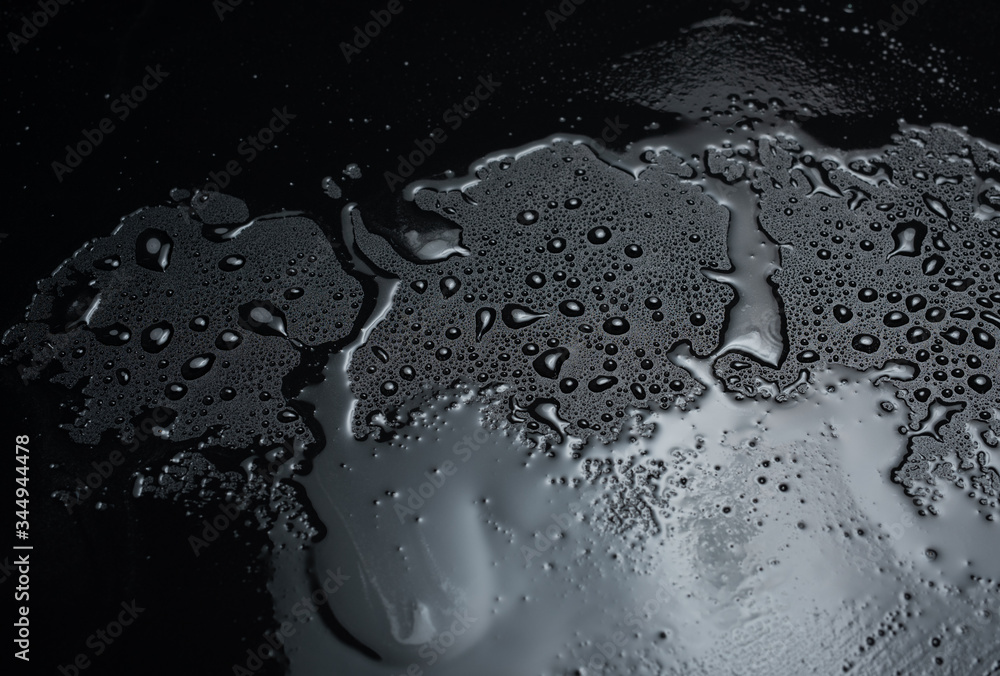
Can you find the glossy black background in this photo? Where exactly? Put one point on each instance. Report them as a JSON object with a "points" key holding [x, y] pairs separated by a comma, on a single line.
{"points": [[225, 76]]}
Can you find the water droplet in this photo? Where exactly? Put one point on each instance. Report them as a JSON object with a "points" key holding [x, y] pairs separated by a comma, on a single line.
{"points": [[527, 217], [602, 383], [572, 308], [419, 285], [937, 206], [450, 286], [935, 314], [228, 340], [616, 326], [535, 280], [519, 316], [866, 343], [915, 302], [294, 293], [908, 238], [389, 388], [287, 415], [115, 335], [262, 317], [156, 336], [842, 313], [633, 251], [917, 334], [152, 249], [549, 363], [980, 383], [556, 245], [199, 323], [895, 319], [983, 338], [232, 263], [109, 263], [599, 235], [573, 203], [955, 335], [175, 391], [198, 366], [932, 264]]}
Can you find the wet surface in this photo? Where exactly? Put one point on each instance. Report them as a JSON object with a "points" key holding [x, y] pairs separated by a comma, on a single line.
{"points": [[692, 371]]}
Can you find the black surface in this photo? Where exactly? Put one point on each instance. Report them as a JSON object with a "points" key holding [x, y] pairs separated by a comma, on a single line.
{"points": [[225, 77]]}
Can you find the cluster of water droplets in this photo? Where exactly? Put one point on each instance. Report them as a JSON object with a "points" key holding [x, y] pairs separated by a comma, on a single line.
{"points": [[192, 308], [556, 285], [890, 258]]}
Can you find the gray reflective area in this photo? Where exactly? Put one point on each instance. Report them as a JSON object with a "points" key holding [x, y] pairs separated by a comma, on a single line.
{"points": [[736, 537], [754, 530]]}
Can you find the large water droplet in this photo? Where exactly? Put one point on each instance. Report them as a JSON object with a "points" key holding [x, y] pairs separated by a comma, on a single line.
{"points": [[983, 338], [549, 363], [980, 383], [955, 335], [261, 316], [572, 308], [198, 366], [528, 217], [156, 336], [599, 235], [519, 316], [602, 383], [842, 313], [450, 286], [152, 249], [908, 238], [932, 264], [895, 319], [485, 319], [866, 343], [937, 206], [228, 340], [616, 326]]}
